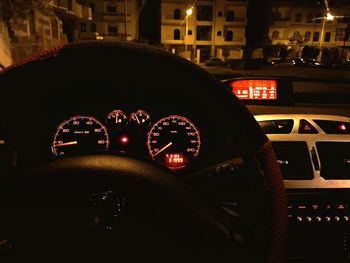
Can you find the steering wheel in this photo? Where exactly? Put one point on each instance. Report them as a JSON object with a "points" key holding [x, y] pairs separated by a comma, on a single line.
{"points": [[117, 205]]}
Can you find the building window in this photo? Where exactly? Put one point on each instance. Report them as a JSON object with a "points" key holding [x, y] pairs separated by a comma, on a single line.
{"points": [[327, 37], [111, 8], [220, 13], [276, 15], [319, 16], [339, 34], [309, 18], [70, 5], [219, 33], [83, 27], [177, 14], [307, 36], [189, 32], [204, 33], [230, 16], [113, 29], [229, 36], [346, 19], [275, 34], [92, 6], [298, 17], [204, 13], [176, 34], [93, 27], [316, 36], [54, 24]]}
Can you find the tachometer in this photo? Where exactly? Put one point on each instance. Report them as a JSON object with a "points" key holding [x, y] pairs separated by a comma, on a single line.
{"points": [[80, 135], [174, 141]]}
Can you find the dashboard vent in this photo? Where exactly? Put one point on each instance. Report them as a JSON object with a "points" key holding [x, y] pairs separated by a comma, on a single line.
{"points": [[294, 159], [335, 159], [277, 126], [334, 127]]}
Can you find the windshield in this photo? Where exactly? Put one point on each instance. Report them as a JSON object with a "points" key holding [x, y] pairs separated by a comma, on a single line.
{"points": [[306, 41]]}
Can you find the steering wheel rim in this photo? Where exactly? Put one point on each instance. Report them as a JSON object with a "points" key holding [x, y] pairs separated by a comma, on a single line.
{"points": [[257, 145]]}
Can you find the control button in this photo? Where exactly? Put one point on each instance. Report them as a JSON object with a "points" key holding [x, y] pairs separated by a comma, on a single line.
{"points": [[306, 127], [346, 218], [318, 219], [337, 218], [327, 218], [315, 206], [299, 219], [328, 206], [301, 206], [308, 218], [341, 206]]}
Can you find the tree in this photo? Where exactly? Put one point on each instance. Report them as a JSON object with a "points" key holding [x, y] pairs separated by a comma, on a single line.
{"points": [[283, 53], [259, 14], [298, 40], [310, 52]]}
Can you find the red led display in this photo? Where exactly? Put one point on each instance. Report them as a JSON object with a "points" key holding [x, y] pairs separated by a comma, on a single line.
{"points": [[255, 89], [175, 159]]}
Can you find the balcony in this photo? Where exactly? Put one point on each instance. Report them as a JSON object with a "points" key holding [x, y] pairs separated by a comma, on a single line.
{"points": [[115, 17], [87, 13], [71, 10], [171, 17], [62, 4], [240, 20]]}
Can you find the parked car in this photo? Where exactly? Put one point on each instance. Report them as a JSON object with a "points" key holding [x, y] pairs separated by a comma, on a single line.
{"points": [[215, 62]]}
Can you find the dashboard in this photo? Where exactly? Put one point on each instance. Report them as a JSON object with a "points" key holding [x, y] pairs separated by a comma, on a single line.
{"points": [[313, 152], [173, 141]]}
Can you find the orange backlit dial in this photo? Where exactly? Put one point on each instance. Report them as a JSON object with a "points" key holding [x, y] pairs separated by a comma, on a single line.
{"points": [[80, 135], [174, 141]]}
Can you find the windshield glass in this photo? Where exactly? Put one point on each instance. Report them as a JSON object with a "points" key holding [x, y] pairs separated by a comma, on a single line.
{"points": [[306, 41]]}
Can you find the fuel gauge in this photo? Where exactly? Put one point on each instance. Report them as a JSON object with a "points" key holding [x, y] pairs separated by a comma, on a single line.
{"points": [[140, 118], [117, 120]]}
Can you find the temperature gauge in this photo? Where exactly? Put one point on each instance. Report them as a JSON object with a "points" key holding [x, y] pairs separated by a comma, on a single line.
{"points": [[117, 120], [140, 118]]}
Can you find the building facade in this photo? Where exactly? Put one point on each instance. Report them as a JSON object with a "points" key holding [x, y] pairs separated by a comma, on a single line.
{"points": [[5, 50], [212, 29], [112, 20], [300, 23]]}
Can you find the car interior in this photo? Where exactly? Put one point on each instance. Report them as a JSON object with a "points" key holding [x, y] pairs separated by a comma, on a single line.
{"points": [[146, 155]]}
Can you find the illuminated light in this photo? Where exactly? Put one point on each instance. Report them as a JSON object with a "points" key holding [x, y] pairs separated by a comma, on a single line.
{"points": [[189, 11], [342, 127], [330, 17], [255, 89], [124, 139]]}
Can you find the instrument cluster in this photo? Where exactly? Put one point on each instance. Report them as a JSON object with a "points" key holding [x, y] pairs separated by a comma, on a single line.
{"points": [[173, 141]]}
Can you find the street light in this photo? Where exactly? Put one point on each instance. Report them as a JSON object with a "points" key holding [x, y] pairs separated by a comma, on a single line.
{"points": [[189, 12], [328, 17]]}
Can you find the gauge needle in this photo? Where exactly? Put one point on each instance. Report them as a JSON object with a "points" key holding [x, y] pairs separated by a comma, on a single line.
{"points": [[138, 121], [65, 144], [165, 147]]}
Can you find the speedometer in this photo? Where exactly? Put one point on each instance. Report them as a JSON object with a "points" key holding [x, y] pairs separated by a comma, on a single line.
{"points": [[80, 135], [174, 141]]}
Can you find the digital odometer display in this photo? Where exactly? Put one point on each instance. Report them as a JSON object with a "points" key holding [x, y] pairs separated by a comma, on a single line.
{"points": [[255, 89], [80, 135], [173, 141]]}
